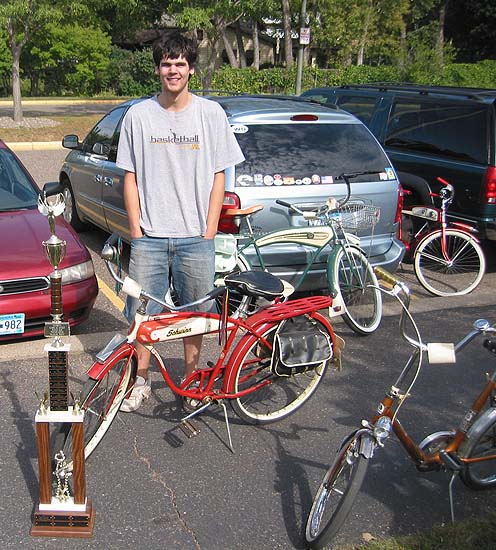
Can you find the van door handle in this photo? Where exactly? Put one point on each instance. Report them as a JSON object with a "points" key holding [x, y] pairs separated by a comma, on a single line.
{"points": [[108, 181], [99, 178]]}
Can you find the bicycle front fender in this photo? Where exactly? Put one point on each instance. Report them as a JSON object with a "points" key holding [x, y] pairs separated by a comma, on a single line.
{"points": [[338, 306], [367, 442], [101, 366], [452, 230], [466, 228]]}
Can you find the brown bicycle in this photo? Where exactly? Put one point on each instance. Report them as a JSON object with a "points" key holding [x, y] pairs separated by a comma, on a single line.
{"points": [[470, 451]]}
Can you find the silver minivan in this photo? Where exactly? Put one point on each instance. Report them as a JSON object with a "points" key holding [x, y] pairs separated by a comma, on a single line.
{"points": [[294, 151]]}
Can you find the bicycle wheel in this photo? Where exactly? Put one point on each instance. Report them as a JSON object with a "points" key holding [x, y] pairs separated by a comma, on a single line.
{"points": [[336, 495], [480, 475], [101, 400], [458, 275], [237, 302], [271, 397], [353, 274]]}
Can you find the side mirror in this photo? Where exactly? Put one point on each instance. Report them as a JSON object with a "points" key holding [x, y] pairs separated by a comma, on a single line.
{"points": [[70, 141], [101, 149], [52, 188]]}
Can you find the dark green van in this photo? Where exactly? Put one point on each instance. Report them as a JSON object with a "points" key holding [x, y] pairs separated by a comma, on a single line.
{"points": [[430, 131]]}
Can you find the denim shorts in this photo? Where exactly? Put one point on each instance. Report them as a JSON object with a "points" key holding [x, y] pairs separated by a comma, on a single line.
{"points": [[188, 262]]}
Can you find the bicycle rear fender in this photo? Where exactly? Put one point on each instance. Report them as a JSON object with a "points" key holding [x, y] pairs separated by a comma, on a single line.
{"points": [[100, 367], [478, 428], [249, 339]]}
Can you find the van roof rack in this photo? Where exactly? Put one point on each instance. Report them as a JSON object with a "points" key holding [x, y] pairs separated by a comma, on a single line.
{"points": [[479, 94]]}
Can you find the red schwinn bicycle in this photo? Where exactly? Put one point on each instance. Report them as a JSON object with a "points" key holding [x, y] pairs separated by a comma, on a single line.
{"points": [[447, 257], [248, 371]]}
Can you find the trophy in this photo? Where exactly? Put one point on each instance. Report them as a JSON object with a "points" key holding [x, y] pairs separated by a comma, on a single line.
{"points": [[59, 515]]}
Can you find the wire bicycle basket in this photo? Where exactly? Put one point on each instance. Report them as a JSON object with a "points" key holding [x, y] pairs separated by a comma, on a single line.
{"points": [[351, 217]]}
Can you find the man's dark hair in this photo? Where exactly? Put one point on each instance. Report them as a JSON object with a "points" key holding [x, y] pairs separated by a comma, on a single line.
{"points": [[173, 47]]}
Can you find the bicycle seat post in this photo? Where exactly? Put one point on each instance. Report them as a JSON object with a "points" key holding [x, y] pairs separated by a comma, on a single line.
{"points": [[248, 223]]}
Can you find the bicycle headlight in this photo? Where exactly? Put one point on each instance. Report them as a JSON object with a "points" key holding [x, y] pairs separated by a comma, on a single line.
{"points": [[382, 429]]}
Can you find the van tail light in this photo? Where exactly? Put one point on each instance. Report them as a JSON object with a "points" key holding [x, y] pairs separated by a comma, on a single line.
{"points": [[399, 207], [490, 186], [226, 224]]}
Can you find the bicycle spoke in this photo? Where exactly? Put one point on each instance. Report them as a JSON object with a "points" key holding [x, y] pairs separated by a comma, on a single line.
{"points": [[458, 271]]}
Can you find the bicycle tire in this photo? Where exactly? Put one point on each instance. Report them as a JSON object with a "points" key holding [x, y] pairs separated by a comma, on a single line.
{"points": [[280, 396], [352, 274], [459, 277], [101, 400], [343, 480], [480, 475], [237, 302]]}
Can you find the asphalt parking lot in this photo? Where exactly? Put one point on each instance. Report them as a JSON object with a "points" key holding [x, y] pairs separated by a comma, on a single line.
{"points": [[153, 487]]}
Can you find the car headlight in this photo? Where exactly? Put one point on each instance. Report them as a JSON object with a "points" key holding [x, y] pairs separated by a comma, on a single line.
{"points": [[78, 272]]}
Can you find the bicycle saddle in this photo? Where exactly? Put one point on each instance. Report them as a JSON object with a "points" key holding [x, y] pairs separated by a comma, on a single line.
{"points": [[256, 283]]}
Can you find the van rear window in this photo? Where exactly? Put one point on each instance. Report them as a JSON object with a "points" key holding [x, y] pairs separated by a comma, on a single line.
{"points": [[307, 153]]}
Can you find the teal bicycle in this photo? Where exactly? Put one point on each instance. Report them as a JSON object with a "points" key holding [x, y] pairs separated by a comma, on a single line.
{"points": [[350, 277]]}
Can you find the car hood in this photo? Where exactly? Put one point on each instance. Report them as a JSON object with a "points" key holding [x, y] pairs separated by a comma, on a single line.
{"points": [[21, 249]]}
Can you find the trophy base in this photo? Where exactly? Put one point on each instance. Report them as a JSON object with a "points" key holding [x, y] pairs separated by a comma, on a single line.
{"points": [[70, 524]]}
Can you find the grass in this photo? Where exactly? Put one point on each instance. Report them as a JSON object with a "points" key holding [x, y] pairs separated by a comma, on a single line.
{"points": [[474, 534], [66, 124]]}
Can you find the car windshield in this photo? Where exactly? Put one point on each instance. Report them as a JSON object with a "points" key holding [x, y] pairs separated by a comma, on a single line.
{"points": [[16, 190], [306, 153]]}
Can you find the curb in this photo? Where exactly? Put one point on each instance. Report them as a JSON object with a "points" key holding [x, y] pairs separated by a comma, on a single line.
{"points": [[18, 146], [25, 102]]}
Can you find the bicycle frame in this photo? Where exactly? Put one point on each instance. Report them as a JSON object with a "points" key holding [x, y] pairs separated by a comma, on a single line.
{"points": [[166, 327], [436, 218], [316, 238], [390, 404], [435, 460]]}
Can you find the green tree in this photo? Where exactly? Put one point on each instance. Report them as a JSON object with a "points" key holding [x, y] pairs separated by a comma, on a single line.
{"points": [[71, 58], [5, 64], [472, 28], [358, 31], [212, 18], [21, 19]]}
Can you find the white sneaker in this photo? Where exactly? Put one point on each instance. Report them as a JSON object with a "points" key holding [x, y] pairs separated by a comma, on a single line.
{"points": [[141, 390]]}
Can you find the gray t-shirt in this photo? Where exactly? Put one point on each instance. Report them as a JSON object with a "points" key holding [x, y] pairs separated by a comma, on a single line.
{"points": [[175, 157]]}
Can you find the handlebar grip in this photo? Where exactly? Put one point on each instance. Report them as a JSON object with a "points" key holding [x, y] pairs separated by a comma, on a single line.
{"points": [[112, 239], [386, 276], [284, 203], [218, 291]]}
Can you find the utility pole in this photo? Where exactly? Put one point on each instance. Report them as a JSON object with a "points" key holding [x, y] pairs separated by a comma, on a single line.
{"points": [[304, 39]]}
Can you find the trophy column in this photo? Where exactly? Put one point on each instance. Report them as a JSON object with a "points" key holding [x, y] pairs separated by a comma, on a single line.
{"points": [[59, 515]]}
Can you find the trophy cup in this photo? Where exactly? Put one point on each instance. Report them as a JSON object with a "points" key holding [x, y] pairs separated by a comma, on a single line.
{"points": [[59, 515]]}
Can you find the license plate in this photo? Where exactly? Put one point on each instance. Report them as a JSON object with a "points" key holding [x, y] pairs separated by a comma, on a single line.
{"points": [[12, 324]]}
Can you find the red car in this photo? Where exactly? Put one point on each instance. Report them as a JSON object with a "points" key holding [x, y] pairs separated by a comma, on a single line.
{"points": [[24, 269]]}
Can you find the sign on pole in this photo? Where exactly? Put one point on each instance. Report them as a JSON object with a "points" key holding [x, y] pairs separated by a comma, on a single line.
{"points": [[305, 36]]}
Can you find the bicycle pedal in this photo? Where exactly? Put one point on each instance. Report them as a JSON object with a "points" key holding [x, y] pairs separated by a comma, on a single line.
{"points": [[189, 429]]}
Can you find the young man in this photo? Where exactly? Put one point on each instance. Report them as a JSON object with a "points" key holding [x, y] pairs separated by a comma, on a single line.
{"points": [[174, 148]]}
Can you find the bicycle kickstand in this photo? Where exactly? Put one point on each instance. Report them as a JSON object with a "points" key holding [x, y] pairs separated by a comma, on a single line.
{"points": [[223, 405], [450, 489]]}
